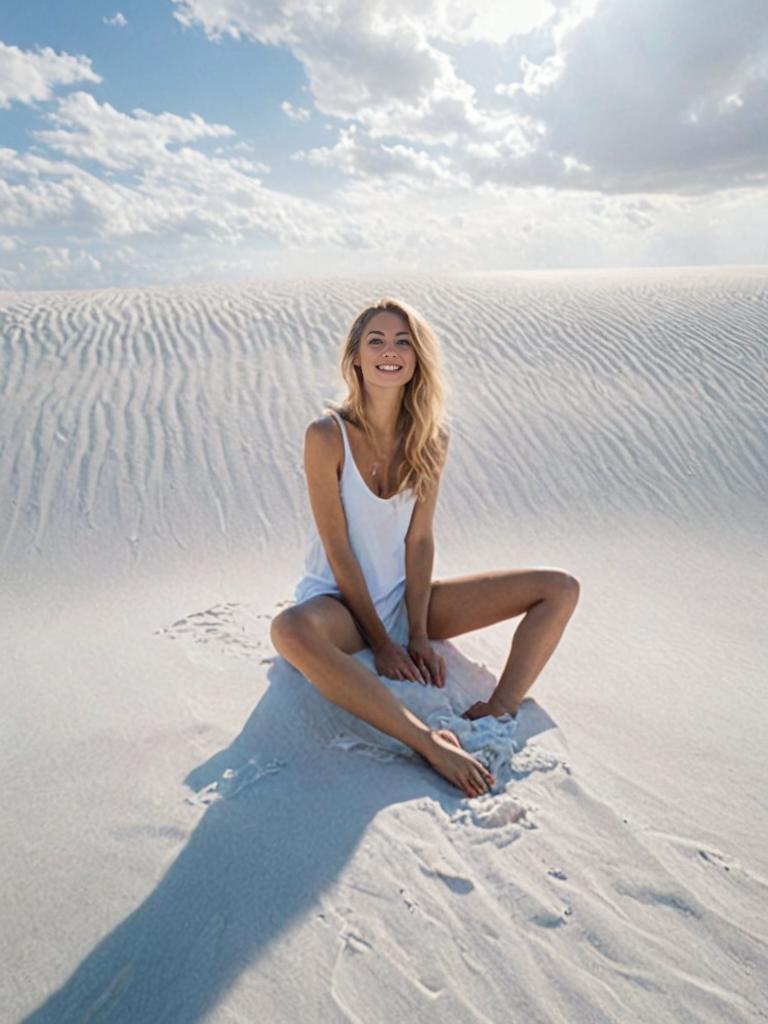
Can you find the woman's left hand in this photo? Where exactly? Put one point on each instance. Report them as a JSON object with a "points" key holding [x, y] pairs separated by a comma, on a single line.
{"points": [[430, 664]]}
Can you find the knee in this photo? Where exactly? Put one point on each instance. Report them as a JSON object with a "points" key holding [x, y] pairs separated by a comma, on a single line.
{"points": [[565, 587], [286, 629], [570, 588]]}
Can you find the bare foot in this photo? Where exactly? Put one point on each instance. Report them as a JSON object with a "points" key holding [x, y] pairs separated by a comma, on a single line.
{"points": [[451, 760]]}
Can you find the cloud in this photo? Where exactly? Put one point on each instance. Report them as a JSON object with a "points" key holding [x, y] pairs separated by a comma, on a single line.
{"points": [[611, 95], [543, 133], [658, 96], [356, 154], [288, 22], [119, 20], [295, 113], [377, 63], [88, 130], [149, 180], [28, 76], [486, 21]]}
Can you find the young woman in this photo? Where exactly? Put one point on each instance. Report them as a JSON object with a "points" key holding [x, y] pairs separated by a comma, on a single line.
{"points": [[373, 467]]}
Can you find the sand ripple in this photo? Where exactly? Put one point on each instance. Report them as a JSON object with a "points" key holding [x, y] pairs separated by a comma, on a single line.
{"points": [[137, 422]]}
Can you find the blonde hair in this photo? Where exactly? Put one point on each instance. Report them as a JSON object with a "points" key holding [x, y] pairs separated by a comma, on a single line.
{"points": [[421, 420]]}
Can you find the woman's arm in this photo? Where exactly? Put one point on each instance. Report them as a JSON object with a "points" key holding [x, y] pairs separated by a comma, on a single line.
{"points": [[321, 459], [419, 559]]}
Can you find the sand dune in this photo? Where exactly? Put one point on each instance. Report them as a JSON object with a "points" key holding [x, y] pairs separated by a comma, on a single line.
{"points": [[135, 421], [197, 834]]}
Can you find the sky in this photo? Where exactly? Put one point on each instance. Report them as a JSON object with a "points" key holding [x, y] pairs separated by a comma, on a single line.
{"points": [[208, 141]]}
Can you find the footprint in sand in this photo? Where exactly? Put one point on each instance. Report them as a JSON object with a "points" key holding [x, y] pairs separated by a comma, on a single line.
{"points": [[456, 883], [655, 898], [355, 943], [410, 903], [712, 857], [226, 629]]}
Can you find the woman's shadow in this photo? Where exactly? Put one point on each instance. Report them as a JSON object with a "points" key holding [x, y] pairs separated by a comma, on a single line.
{"points": [[287, 811]]}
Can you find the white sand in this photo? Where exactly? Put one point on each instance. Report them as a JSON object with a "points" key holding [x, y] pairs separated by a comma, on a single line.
{"points": [[194, 833]]}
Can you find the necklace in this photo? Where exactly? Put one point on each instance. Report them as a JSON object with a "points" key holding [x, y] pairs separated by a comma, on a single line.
{"points": [[377, 457]]}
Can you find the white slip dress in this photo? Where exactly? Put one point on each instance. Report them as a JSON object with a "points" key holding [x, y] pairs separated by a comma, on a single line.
{"points": [[376, 528]]}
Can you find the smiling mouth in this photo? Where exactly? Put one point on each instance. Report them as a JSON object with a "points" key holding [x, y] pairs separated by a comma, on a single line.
{"points": [[390, 368]]}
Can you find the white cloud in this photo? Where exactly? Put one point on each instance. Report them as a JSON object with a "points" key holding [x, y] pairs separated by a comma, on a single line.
{"points": [[356, 155], [537, 78], [88, 130], [377, 63], [119, 20], [154, 183], [663, 95], [280, 22], [617, 134], [432, 230], [295, 113], [28, 76], [491, 21]]}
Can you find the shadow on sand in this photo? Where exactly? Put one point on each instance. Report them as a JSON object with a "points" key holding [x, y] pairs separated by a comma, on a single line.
{"points": [[259, 858]]}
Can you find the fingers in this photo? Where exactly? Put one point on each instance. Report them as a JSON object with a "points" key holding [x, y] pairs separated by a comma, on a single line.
{"points": [[425, 671], [430, 669], [412, 671], [402, 671], [419, 670], [431, 672]]}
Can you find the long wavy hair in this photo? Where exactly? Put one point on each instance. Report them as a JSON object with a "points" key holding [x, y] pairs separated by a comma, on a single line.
{"points": [[421, 423]]}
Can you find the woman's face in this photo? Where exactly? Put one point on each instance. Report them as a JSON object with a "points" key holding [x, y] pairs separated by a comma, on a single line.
{"points": [[386, 341]]}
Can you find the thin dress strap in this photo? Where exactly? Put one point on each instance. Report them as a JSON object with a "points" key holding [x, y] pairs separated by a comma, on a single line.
{"points": [[347, 450], [340, 420]]}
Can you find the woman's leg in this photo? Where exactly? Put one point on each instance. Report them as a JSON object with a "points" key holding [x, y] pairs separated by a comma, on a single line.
{"points": [[548, 598], [318, 637]]}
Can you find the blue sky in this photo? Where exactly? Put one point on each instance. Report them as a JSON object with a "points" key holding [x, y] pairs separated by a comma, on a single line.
{"points": [[157, 64], [225, 140]]}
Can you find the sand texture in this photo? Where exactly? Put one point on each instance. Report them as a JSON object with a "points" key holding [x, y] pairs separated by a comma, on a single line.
{"points": [[194, 833]]}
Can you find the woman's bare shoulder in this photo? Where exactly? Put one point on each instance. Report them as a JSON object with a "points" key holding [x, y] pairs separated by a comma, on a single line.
{"points": [[322, 427], [322, 439]]}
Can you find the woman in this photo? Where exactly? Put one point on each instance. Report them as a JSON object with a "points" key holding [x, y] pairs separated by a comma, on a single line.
{"points": [[373, 467]]}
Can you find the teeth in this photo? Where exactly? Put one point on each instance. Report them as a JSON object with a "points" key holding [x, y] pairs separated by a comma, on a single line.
{"points": [[388, 369]]}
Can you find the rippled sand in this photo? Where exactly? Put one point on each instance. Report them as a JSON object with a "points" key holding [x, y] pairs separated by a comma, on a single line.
{"points": [[198, 835]]}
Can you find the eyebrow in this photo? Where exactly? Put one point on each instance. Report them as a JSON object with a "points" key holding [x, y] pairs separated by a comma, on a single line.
{"points": [[407, 333]]}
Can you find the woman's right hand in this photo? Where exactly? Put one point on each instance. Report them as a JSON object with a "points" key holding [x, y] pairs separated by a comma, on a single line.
{"points": [[395, 662]]}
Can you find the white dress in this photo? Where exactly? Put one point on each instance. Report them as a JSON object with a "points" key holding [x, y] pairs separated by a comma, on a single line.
{"points": [[376, 528]]}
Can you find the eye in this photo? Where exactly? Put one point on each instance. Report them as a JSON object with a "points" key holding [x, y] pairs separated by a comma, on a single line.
{"points": [[405, 341]]}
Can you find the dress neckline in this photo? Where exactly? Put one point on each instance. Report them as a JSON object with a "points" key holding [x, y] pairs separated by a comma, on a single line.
{"points": [[361, 478]]}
